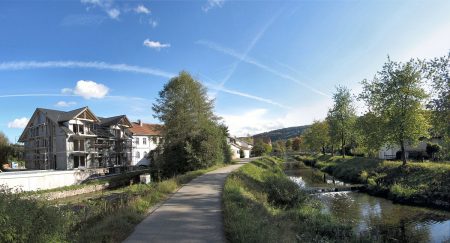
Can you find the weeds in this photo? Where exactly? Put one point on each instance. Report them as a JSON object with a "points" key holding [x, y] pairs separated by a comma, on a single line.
{"points": [[262, 205]]}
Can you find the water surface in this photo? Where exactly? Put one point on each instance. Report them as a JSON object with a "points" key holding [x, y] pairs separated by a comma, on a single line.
{"points": [[376, 217]]}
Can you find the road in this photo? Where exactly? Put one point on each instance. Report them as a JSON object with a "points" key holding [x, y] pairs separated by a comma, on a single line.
{"points": [[192, 214]]}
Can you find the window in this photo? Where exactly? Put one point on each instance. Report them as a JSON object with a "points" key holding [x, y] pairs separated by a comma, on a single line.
{"points": [[155, 139], [79, 161], [145, 154], [81, 128], [78, 145], [138, 155], [137, 141], [75, 128], [144, 141]]}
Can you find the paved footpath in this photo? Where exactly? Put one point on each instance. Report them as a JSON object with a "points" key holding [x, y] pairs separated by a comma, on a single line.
{"points": [[192, 214]]}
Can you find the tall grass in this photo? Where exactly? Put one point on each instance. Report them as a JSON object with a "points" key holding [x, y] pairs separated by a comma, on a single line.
{"points": [[262, 205], [106, 219]]}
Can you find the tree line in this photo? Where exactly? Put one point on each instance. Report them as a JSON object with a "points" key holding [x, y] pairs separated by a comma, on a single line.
{"points": [[406, 102]]}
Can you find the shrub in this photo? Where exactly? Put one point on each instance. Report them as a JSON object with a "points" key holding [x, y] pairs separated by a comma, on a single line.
{"points": [[24, 219], [282, 192]]}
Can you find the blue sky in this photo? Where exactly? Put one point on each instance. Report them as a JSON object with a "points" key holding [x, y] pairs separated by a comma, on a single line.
{"points": [[268, 64]]}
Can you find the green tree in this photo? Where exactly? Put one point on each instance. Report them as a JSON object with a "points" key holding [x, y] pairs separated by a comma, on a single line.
{"points": [[438, 72], [260, 148], [5, 148], [193, 136], [341, 118], [397, 97], [278, 148], [288, 144], [371, 135], [316, 137]]}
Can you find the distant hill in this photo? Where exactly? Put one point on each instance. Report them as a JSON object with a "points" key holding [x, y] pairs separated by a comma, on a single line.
{"points": [[284, 133]]}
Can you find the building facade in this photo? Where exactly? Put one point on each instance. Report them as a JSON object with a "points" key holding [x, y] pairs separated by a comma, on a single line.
{"points": [[146, 138], [75, 139], [236, 145]]}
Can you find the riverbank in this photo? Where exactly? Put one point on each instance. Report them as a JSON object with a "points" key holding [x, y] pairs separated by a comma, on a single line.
{"points": [[261, 204], [417, 183], [109, 218]]}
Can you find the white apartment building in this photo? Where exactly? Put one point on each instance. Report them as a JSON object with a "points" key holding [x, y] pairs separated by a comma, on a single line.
{"points": [[146, 137]]}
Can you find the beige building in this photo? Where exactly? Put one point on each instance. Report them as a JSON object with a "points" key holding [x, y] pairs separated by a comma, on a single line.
{"points": [[75, 139]]}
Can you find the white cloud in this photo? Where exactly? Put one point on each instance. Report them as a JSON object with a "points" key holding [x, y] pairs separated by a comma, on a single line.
{"points": [[88, 89], [142, 9], [75, 64], [105, 5], [113, 13], [210, 4], [259, 120], [65, 104], [155, 44], [18, 123], [250, 122]]}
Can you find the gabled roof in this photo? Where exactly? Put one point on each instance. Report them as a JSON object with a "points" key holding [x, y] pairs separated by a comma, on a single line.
{"points": [[62, 116], [146, 129], [107, 121], [57, 117]]}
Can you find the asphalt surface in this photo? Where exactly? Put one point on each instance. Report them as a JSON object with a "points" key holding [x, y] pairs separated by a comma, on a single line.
{"points": [[192, 214]]}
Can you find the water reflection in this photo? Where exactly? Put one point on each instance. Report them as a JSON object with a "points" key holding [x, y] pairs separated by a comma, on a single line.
{"points": [[377, 218]]}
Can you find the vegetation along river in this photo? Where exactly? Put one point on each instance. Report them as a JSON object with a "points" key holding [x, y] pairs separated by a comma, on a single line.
{"points": [[374, 216]]}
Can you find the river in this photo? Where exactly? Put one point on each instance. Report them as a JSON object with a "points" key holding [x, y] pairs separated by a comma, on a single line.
{"points": [[375, 217]]}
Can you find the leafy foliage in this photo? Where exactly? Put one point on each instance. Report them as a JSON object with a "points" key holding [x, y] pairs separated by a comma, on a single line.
{"points": [[317, 136], [260, 148], [438, 71], [396, 96], [296, 144], [193, 137], [370, 133], [341, 118], [5, 148]]}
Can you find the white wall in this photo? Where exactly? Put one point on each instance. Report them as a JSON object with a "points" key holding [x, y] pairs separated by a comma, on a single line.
{"points": [[234, 152], [247, 154], [142, 149], [42, 180]]}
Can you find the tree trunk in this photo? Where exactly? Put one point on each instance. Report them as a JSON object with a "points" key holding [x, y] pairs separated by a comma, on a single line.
{"points": [[402, 144], [323, 150], [332, 150]]}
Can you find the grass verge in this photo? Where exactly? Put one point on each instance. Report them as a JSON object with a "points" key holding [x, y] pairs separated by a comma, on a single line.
{"points": [[105, 219], [418, 183], [262, 205]]}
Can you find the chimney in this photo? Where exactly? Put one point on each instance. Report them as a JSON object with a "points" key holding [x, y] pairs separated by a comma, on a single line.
{"points": [[139, 122]]}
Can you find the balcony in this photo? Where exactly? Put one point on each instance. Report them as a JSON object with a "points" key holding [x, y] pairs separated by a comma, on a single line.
{"points": [[84, 135]]}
